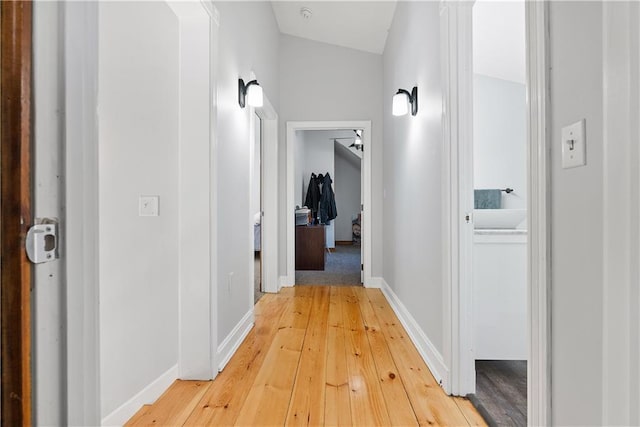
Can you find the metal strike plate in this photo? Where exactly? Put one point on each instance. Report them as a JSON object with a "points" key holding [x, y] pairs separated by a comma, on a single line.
{"points": [[42, 243]]}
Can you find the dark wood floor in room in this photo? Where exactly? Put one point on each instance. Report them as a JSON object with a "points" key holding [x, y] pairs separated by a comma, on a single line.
{"points": [[317, 356], [501, 391]]}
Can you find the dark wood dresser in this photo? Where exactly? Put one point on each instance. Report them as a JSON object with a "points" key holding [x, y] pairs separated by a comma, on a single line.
{"points": [[310, 245]]}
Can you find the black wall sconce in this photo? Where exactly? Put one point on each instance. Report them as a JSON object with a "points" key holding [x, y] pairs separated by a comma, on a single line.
{"points": [[402, 99], [250, 93]]}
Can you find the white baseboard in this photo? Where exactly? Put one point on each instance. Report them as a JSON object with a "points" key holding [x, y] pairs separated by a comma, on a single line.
{"points": [[375, 283], [287, 282], [427, 350], [146, 396], [228, 347]]}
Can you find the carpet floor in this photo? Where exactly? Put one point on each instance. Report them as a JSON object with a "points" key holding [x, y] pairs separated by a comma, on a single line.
{"points": [[342, 268]]}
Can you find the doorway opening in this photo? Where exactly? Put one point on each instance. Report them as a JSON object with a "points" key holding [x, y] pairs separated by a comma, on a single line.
{"points": [[328, 198], [262, 220], [256, 208], [499, 249], [320, 240], [462, 220]]}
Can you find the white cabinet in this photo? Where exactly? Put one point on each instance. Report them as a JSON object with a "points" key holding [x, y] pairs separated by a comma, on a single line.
{"points": [[500, 294]]}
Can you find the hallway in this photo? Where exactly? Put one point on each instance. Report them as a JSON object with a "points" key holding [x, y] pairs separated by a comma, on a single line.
{"points": [[317, 356]]}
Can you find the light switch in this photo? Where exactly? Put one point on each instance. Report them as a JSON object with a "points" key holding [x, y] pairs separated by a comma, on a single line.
{"points": [[149, 206], [574, 145]]}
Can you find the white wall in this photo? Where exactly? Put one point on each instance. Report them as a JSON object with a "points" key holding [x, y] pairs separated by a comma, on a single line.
{"points": [[621, 298], [300, 190], [576, 215], [347, 187], [138, 112], [494, 53], [499, 138], [324, 82], [249, 39], [412, 167], [594, 73]]}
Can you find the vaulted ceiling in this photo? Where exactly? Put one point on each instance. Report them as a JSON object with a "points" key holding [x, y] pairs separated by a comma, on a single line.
{"points": [[361, 25]]}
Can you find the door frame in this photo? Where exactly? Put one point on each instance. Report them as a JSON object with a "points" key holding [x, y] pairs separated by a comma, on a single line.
{"points": [[198, 301], [292, 127], [16, 212], [269, 185], [457, 54], [80, 254], [539, 215]]}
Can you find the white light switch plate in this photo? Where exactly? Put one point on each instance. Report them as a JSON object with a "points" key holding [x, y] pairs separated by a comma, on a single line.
{"points": [[149, 206], [574, 145]]}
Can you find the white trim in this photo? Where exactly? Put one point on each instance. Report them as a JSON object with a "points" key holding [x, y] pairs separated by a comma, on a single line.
{"points": [[197, 327], [269, 227], [287, 282], [213, 195], [232, 342], [146, 396], [292, 127], [539, 364], [80, 226], [449, 233], [376, 283], [425, 347], [456, 31]]}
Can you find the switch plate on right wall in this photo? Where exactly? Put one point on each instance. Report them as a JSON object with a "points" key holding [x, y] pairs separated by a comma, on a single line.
{"points": [[574, 145]]}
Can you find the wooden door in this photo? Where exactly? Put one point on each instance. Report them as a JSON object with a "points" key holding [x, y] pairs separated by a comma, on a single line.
{"points": [[15, 210]]}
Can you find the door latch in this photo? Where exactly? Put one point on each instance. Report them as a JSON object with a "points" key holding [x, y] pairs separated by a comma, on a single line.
{"points": [[42, 242]]}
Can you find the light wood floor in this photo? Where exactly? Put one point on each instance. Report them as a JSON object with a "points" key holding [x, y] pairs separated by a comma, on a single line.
{"points": [[318, 355]]}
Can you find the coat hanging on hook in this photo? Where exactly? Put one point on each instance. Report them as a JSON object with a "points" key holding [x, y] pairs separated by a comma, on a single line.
{"points": [[313, 195], [327, 207]]}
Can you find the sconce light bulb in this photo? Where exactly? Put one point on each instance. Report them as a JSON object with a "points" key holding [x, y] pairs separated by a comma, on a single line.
{"points": [[254, 95], [400, 104]]}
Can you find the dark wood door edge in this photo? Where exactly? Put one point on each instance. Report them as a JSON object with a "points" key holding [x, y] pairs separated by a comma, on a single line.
{"points": [[15, 210]]}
